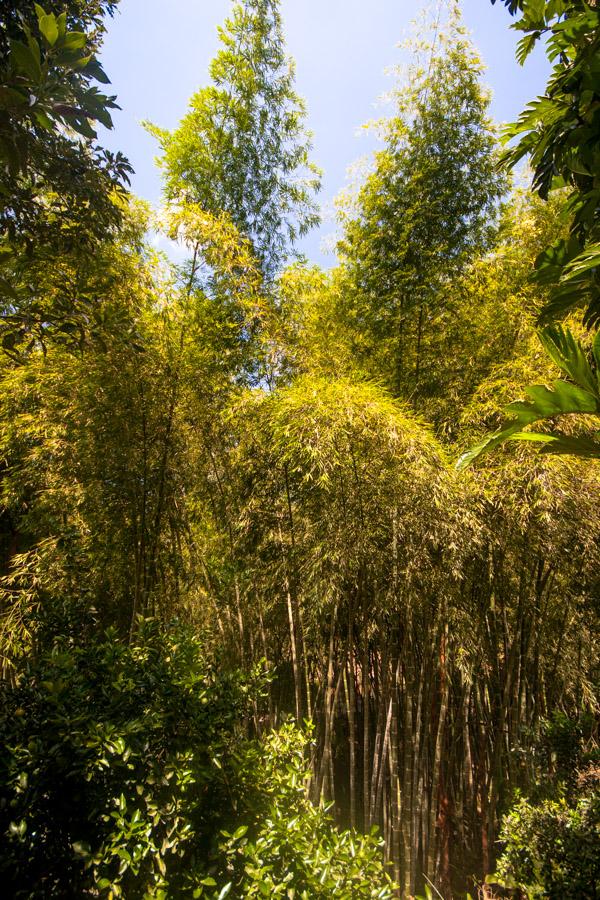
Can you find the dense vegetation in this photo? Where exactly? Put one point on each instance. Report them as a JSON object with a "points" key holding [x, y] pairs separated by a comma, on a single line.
{"points": [[259, 634]]}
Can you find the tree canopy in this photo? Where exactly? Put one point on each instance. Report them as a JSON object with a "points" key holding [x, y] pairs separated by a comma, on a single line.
{"points": [[242, 149], [258, 636], [428, 206]]}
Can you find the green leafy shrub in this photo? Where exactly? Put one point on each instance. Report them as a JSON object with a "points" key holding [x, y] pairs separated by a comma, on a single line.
{"points": [[553, 849], [125, 771], [552, 839], [565, 743], [114, 765], [291, 848]]}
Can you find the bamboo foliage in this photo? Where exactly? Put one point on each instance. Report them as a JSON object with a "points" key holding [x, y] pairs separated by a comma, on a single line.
{"points": [[425, 621], [418, 618], [233, 463]]}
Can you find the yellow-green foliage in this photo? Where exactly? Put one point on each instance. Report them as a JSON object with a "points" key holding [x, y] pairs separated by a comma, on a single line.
{"points": [[268, 453]]}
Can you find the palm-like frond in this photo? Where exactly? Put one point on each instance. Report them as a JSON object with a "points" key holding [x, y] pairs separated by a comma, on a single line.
{"points": [[578, 396]]}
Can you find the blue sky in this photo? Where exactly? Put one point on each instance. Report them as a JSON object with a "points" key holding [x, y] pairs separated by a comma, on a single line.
{"points": [[157, 55]]}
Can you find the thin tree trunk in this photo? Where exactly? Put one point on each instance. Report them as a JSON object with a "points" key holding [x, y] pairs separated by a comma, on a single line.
{"points": [[349, 690], [395, 788], [430, 867]]}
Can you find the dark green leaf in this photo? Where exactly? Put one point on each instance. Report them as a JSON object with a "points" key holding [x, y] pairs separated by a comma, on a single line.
{"points": [[25, 60]]}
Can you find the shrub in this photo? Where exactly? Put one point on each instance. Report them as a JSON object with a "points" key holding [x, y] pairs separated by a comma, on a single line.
{"points": [[113, 768], [553, 850], [291, 848], [125, 771]]}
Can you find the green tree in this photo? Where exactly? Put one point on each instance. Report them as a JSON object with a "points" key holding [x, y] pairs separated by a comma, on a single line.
{"points": [[561, 134], [109, 757], [418, 618], [242, 149], [426, 208], [57, 186], [550, 849]]}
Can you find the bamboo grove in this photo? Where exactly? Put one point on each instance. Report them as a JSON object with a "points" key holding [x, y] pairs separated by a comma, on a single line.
{"points": [[266, 451]]}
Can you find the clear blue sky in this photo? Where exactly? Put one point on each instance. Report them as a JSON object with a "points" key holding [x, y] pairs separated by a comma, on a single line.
{"points": [[157, 54]]}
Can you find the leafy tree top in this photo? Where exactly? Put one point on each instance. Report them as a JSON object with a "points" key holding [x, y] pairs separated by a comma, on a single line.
{"points": [[242, 148], [560, 133], [430, 201], [47, 69], [58, 188], [434, 185]]}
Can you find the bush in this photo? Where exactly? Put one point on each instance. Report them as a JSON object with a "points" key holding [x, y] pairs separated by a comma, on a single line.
{"points": [[553, 850], [125, 772], [291, 848], [113, 768]]}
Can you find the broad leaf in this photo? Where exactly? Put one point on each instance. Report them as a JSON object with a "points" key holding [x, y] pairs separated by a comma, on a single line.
{"points": [[569, 356], [556, 443], [25, 60], [49, 29], [490, 443], [589, 259]]}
